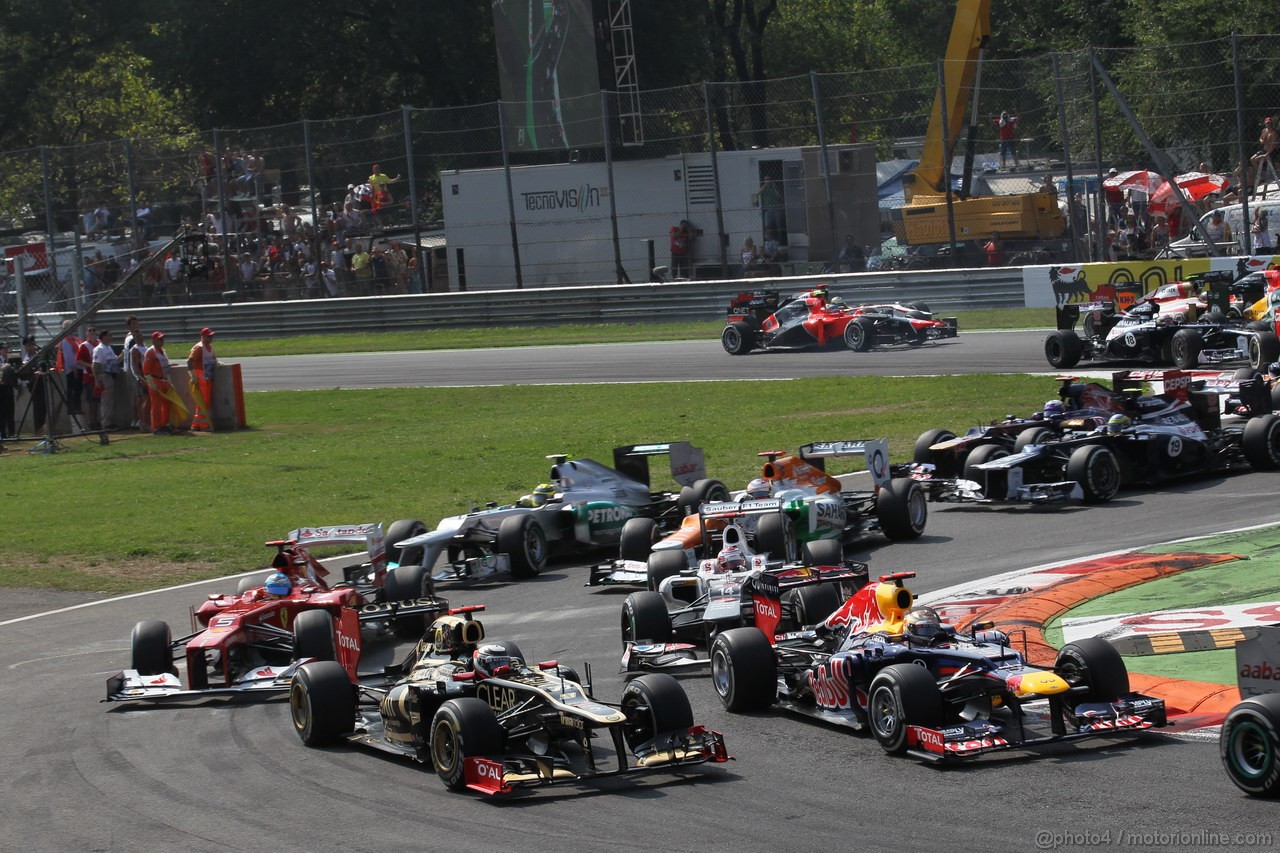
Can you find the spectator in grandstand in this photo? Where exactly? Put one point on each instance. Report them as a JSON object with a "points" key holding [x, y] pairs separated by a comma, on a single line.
{"points": [[1268, 152], [1007, 126]]}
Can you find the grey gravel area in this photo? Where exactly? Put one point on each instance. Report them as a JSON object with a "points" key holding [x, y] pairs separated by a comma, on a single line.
{"points": [[15, 603]]}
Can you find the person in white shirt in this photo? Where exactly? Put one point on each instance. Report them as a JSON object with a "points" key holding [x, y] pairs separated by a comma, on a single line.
{"points": [[106, 367]]}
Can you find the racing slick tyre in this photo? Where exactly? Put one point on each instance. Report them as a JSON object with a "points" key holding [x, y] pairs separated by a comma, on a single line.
{"points": [[738, 338], [322, 702], [1097, 471], [822, 552], [637, 539], [982, 454], [1185, 348], [744, 670], [645, 618], [814, 603], [901, 509], [665, 564], [1243, 373], [1250, 745], [151, 648], [406, 583], [1261, 442], [860, 334], [461, 729], [313, 636], [902, 695], [1258, 326], [1028, 437], [654, 704], [1264, 348], [247, 583], [701, 492], [405, 528], [946, 464], [1062, 349], [568, 673], [776, 536], [522, 539], [1096, 664], [919, 306]]}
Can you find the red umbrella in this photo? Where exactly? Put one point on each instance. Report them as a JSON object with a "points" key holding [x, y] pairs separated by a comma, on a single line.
{"points": [[1194, 185], [1141, 179]]}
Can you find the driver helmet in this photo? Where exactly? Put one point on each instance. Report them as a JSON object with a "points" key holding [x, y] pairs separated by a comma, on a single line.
{"points": [[759, 488], [1053, 408], [836, 302], [731, 559], [278, 584], [490, 657], [1117, 423], [922, 625], [539, 496], [1273, 369]]}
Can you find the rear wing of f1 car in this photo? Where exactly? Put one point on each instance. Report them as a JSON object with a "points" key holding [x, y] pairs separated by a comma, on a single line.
{"points": [[687, 462], [371, 536], [874, 451]]}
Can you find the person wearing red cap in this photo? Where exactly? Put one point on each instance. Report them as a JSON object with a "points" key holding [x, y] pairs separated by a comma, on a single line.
{"points": [[155, 370], [201, 366]]}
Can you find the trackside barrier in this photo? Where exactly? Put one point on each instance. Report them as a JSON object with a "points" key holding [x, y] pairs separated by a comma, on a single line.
{"points": [[943, 290]]}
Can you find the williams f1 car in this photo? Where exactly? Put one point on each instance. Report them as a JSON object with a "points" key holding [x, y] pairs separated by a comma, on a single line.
{"points": [[584, 507], [926, 689], [489, 722], [763, 320], [251, 643]]}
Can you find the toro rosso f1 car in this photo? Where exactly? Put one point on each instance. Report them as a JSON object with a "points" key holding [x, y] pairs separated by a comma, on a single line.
{"points": [[762, 320], [582, 508], [489, 722], [925, 689], [251, 643]]}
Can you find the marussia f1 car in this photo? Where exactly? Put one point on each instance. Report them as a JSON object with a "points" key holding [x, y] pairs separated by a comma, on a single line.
{"points": [[583, 507], [487, 721], [665, 628], [251, 643], [762, 320], [926, 689], [1144, 439], [795, 508]]}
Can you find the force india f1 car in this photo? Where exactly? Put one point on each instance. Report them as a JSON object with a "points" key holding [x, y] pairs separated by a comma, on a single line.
{"points": [[926, 689], [762, 320], [251, 643], [795, 508], [487, 721], [1120, 437], [582, 508]]}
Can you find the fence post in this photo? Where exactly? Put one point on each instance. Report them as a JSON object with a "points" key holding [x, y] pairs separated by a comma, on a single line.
{"points": [[1245, 180], [317, 248], [620, 274], [138, 241], [721, 237], [826, 165], [1066, 157], [423, 263], [511, 206], [946, 158], [226, 233], [50, 227], [1104, 213]]}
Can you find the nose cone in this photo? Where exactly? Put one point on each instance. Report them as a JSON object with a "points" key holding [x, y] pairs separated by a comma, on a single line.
{"points": [[1038, 684]]}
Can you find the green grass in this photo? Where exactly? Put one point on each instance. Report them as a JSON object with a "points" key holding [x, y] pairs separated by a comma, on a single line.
{"points": [[153, 510], [1012, 318]]}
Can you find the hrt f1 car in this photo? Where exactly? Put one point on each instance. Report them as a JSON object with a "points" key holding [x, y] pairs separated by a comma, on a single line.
{"points": [[926, 689], [487, 721], [582, 508], [250, 643]]}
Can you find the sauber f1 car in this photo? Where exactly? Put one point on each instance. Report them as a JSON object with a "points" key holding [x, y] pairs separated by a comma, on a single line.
{"points": [[1250, 740], [926, 689], [251, 643], [582, 508], [794, 509], [489, 722], [765, 321]]}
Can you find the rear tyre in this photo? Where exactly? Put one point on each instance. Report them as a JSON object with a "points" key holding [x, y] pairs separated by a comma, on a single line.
{"points": [[1261, 442], [1186, 347], [919, 306], [461, 729], [1096, 664], [860, 334], [1243, 373], [738, 338], [1264, 348], [744, 670], [405, 528], [1028, 437], [901, 509], [947, 464], [812, 604], [313, 636], [665, 564], [980, 456], [702, 492], [322, 703], [247, 583], [151, 648], [902, 695], [645, 618], [638, 536], [407, 583], [776, 536], [1250, 745], [1062, 349], [822, 552], [654, 704], [1097, 471], [521, 538]]}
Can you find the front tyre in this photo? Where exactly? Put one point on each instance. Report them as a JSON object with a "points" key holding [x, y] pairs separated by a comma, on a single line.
{"points": [[901, 509], [313, 636], [1264, 348], [522, 539], [638, 538], [776, 536], [744, 670], [151, 648], [902, 695], [399, 531], [645, 618], [654, 704], [701, 492], [1261, 443], [322, 703], [406, 583], [738, 338], [665, 564], [1094, 663], [1185, 348], [1097, 471], [461, 729], [1250, 745]]}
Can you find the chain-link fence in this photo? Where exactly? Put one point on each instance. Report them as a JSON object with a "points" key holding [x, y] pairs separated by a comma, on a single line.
{"points": [[806, 166]]}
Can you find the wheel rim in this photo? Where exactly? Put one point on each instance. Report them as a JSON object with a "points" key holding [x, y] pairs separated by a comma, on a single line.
{"points": [[721, 673], [1054, 351], [857, 336], [444, 746], [883, 711], [1105, 476], [1250, 750], [535, 545], [628, 628], [300, 708], [732, 339], [916, 509]]}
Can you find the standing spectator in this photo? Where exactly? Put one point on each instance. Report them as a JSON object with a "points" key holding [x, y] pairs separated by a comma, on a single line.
{"points": [[1049, 186], [106, 368], [329, 279], [8, 386], [681, 249], [37, 382], [1115, 200], [362, 268], [1138, 205], [750, 255], [202, 366], [1267, 141], [131, 355], [398, 267], [852, 258], [995, 251], [84, 367], [381, 273], [1007, 125], [1132, 239], [65, 365], [338, 266], [1159, 233], [311, 279], [172, 282], [380, 185], [1261, 232], [1218, 229], [771, 206], [248, 273]]}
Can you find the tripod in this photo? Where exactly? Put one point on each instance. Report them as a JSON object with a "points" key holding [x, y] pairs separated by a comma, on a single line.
{"points": [[43, 389]]}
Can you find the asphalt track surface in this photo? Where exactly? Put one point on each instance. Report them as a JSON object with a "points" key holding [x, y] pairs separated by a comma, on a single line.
{"points": [[80, 775]]}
